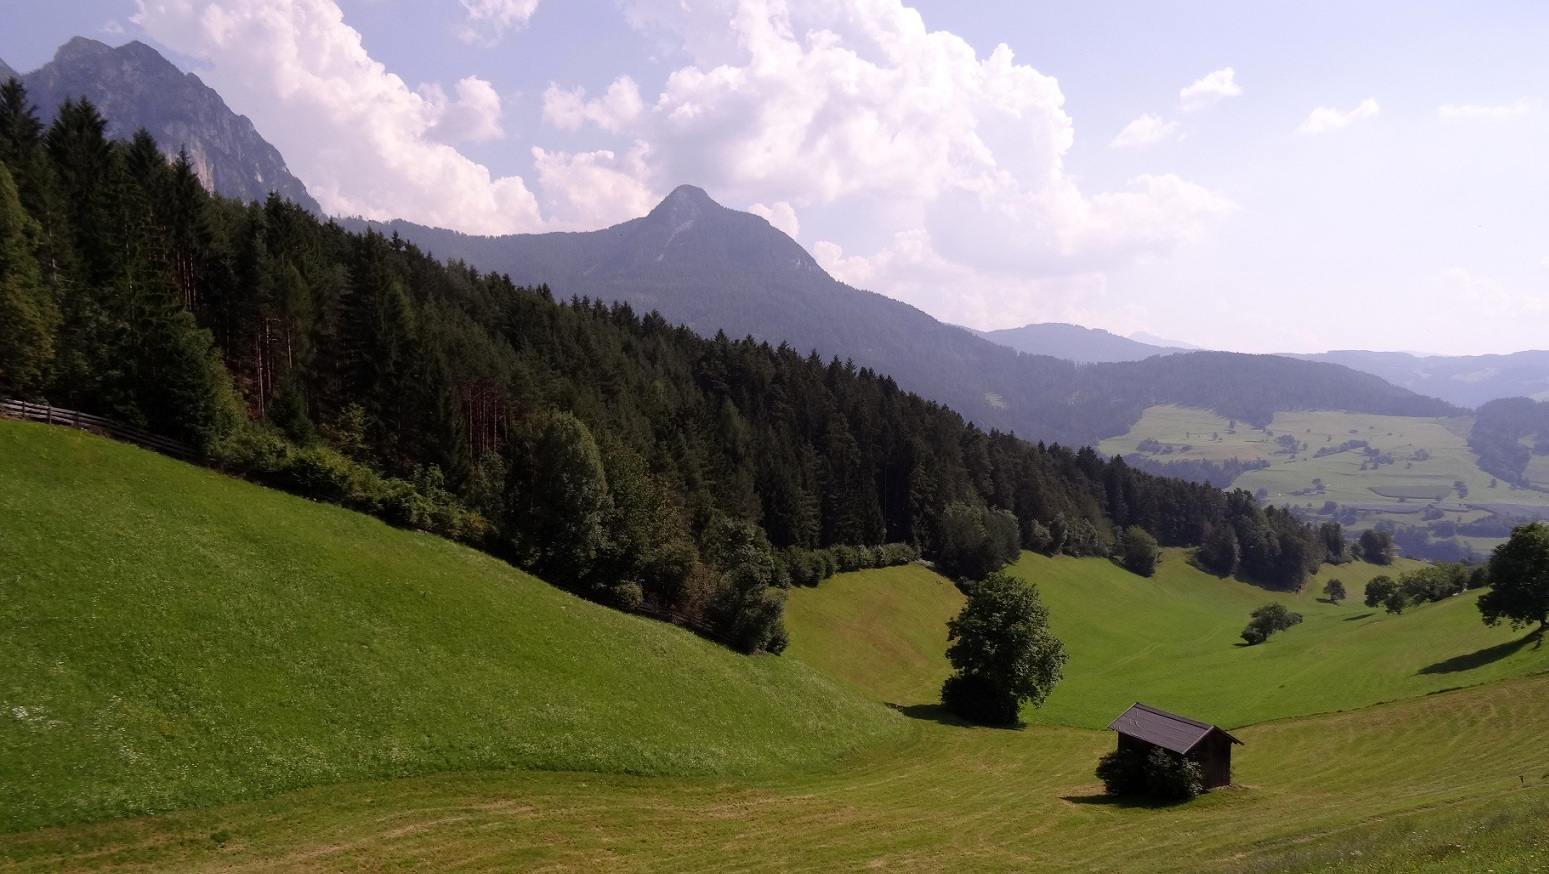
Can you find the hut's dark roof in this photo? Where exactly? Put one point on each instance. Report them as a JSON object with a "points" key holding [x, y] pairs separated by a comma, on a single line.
{"points": [[1166, 730]]}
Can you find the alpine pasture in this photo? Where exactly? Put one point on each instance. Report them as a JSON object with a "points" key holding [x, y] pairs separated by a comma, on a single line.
{"points": [[201, 675]]}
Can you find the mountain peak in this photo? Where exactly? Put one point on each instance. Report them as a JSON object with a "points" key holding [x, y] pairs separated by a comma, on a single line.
{"points": [[133, 86], [685, 205], [79, 48]]}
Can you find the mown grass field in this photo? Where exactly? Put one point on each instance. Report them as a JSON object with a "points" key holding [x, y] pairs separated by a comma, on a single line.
{"points": [[175, 638], [1452, 781]]}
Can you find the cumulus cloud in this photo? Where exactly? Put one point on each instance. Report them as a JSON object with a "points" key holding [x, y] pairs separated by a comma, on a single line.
{"points": [[362, 140], [490, 20], [781, 215], [913, 271], [589, 190], [473, 118], [1144, 131], [1325, 119], [1209, 90], [1469, 112], [570, 110], [959, 158]]}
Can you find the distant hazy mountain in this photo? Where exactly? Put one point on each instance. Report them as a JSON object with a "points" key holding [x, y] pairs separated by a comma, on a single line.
{"points": [[7, 73], [1467, 380], [1154, 340], [133, 87], [1075, 343], [712, 268]]}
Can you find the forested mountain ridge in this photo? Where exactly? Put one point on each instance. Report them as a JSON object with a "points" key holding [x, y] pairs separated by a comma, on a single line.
{"points": [[134, 87], [1466, 380], [1075, 343], [716, 269], [618, 455]]}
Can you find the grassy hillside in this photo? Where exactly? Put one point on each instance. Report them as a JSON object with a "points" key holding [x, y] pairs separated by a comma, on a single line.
{"points": [[174, 638], [1455, 781], [883, 631], [1431, 780], [1172, 641]]}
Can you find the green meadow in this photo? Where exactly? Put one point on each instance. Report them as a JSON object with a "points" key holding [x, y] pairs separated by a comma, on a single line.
{"points": [[175, 638], [278, 677]]}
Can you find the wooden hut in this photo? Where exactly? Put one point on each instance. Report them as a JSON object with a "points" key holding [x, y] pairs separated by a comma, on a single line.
{"points": [[1141, 728]]}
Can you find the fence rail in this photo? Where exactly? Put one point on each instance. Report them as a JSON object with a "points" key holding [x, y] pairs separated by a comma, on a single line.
{"points": [[96, 424]]}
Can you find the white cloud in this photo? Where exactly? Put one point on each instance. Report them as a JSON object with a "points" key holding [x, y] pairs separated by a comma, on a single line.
{"points": [[782, 216], [1324, 119], [1481, 296], [1454, 112], [362, 141], [473, 118], [1144, 131], [913, 271], [592, 189], [856, 105], [570, 110], [1209, 90], [489, 20]]}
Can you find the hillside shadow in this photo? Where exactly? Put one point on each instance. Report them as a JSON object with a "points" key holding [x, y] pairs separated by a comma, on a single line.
{"points": [[941, 716], [1458, 664], [1360, 615]]}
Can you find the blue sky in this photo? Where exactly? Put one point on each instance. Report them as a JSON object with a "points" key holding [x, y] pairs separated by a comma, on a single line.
{"points": [[1268, 176]]}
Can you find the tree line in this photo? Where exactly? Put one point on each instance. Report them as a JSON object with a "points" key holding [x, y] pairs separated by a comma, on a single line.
{"points": [[610, 452]]}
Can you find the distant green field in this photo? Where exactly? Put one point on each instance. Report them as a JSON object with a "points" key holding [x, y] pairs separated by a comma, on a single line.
{"points": [[174, 638], [1397, 491], [1427, 784]]}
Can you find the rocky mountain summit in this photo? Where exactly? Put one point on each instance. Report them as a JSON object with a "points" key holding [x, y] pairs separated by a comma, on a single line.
{"points": [[133, 86]]}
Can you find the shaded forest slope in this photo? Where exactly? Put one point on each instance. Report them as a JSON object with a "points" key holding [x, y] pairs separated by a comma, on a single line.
{"points": [[713, 268]]}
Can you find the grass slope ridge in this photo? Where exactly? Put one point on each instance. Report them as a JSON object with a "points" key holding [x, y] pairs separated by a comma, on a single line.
{"points": [[176, 639]]}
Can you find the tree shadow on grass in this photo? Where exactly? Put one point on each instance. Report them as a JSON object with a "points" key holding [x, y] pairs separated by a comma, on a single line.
{"points": [[1361, 616], [941, 716], [1127, 802], [1458, 664]]}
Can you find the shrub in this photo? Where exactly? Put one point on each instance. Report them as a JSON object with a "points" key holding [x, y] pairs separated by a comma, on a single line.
{"points": [[1123, 772], [1173, 777], [1267, 620]]}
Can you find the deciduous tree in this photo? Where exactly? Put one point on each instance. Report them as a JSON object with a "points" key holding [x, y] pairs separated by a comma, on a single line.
{"points": [[1519, 579], [1003, 652]]}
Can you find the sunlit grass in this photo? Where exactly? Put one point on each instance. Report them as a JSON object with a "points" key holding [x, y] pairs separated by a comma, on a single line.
{"points": [[174, 638]]}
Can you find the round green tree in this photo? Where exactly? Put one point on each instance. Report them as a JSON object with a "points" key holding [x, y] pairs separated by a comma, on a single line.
{"points": [[1519, 579], [1002, 651]]}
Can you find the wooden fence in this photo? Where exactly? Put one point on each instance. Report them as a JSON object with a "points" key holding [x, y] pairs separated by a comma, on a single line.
{"points": [[97, 425]]}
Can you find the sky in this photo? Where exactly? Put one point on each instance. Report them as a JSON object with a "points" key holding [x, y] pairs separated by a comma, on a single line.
{"points": [[1273, 176]]}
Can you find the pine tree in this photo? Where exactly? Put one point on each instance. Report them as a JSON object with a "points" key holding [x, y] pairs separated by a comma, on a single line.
{"points": [[29, 320]]}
